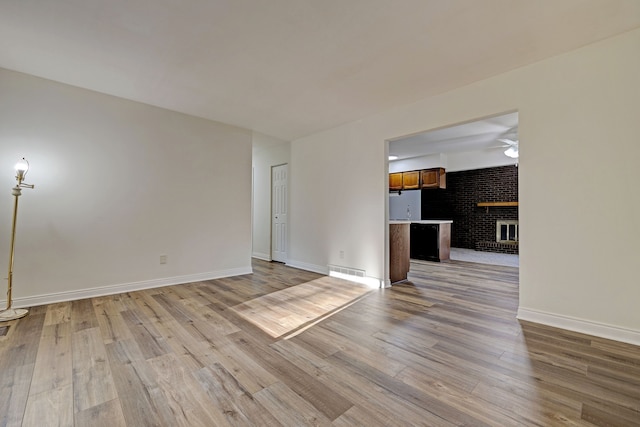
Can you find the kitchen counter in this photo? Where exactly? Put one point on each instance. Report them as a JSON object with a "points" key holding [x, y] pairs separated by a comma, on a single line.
{"points": [[420, 221], [399, 248], [433, 221], [427, 239]]}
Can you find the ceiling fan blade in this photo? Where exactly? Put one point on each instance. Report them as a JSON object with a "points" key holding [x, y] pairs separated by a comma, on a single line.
{"points": [[509, 142]]}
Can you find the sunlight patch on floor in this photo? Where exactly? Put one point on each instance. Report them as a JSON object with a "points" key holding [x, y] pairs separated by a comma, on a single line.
{"points": [[286, 311]]}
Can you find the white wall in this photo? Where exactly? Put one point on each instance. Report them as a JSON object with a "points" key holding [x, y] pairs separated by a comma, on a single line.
{"points": [[118, 183], [267, 152], [339, 192], [579, 208]]}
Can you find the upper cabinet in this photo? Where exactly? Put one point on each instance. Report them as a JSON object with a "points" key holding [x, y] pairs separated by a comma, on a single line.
{"points": [[434, 178], [415, 180], [395, 181], [411, 180]]}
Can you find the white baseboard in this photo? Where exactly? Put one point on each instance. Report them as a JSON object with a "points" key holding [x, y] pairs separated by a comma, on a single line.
{"points": [[309, 267], [262, 256], [124, 287], [601, 330], [327, 271]]}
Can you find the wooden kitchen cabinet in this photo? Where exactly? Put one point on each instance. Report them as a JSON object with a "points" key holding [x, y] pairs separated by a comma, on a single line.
{"points": [[399, 248], [404, 181], [395, 181], [415, 180], [411, 180], [434, 178]]}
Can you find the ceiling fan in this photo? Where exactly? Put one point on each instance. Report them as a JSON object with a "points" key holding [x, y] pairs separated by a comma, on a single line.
{"points": [[510, 140]]}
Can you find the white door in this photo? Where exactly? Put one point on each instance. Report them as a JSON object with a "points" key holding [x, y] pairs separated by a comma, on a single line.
{"points": [[279, 212]]}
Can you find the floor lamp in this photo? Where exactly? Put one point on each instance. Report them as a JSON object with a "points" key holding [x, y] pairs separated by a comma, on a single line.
{"points": [[21, 171]]}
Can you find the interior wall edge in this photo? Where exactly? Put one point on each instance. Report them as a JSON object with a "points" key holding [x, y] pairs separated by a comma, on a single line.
{"points": [[588, 327]]}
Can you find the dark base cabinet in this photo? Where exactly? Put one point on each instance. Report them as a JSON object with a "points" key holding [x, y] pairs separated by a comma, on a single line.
{"points": [[430, 242], [424, 241]]}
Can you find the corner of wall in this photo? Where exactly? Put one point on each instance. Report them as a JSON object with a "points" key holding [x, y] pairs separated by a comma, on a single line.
{"points": [[261, 255]]}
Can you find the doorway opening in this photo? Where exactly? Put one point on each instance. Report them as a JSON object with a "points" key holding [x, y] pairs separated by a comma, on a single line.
{"points": [[480, 159]]}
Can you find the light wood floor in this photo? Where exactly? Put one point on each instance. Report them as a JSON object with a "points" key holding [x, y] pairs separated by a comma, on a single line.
{"points": [[284, 313], [442, 350]]}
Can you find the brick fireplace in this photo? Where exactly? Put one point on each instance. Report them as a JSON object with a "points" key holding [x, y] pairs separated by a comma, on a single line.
{"points": [[503, 248], [474, 227], [506, 241]]}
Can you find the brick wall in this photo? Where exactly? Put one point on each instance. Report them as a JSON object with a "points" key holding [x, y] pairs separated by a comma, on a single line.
{"points": [[474, 227]]}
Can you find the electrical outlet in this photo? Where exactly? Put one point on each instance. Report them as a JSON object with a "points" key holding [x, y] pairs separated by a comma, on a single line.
{"points": [[341, 254], [163, 259]]}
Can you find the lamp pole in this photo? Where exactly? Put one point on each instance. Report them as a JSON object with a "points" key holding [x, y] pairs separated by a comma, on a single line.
{"points": [[11, 313]]}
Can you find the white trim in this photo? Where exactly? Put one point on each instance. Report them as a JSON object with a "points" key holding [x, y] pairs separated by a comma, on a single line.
{"points": [[309, 267], [262, 256], [589, 327], [125, 287], [371, 282], [367, 280]]}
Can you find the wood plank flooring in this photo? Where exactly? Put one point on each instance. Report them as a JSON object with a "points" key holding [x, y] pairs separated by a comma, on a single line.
{"points": [[282, 312], [444, 349]]}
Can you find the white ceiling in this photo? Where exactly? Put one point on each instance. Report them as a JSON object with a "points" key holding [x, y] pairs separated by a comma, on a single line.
{"points": [[473, 136], [289, 68]]}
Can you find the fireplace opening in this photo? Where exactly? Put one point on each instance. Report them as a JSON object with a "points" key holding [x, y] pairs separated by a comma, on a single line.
{"points": [[506, 241], [506, 231]]}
